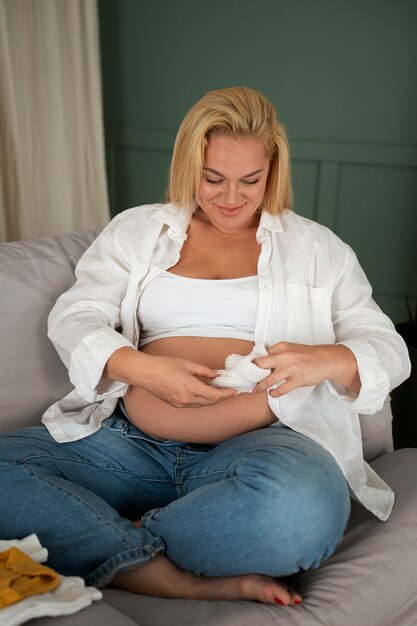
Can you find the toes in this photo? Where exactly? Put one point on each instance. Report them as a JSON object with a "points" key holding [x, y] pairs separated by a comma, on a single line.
{"points": [[287, 596], [266, 589], [281, 595], [295, 597]]}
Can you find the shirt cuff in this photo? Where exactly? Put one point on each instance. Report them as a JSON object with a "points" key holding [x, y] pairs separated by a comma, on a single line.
{"points": [[88, 361], [374, 380]]}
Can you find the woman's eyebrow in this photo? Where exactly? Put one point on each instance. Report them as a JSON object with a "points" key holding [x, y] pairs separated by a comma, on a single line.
{"points": [[210, 169]]}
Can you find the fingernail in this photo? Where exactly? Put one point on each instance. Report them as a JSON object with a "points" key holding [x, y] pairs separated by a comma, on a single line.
{"points": [[278, 601], [297, 601]]}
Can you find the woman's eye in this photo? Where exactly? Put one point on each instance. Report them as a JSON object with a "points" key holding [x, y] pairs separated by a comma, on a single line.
{"points": [[215, 181], [212, 181]]}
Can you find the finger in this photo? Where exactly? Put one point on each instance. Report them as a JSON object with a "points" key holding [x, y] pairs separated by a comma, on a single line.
{"points": [[269, 381], [207, 392], [286, 387], [266, 362], [202, 370], [200, 402], [276, 351]]}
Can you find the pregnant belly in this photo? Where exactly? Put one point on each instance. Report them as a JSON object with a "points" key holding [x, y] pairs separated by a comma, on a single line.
{"points": [[143, 408]]}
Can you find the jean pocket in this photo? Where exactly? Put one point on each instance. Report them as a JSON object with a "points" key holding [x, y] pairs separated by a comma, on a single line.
{"points": [[115, 423], [122, 426], [135, 433]]}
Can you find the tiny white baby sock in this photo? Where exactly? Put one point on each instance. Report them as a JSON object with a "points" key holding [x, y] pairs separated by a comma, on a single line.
{"points": [[241, 373]]}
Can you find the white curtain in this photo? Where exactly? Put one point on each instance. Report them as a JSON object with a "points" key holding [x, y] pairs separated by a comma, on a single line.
{"points": [[52, 164]]}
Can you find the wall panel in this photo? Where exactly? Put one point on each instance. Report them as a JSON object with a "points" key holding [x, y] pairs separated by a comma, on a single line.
{"points": [[377, 203], [345, 86]]}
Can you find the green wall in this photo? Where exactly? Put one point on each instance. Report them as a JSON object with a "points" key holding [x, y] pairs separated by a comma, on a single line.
{"points": [[342, 74]]}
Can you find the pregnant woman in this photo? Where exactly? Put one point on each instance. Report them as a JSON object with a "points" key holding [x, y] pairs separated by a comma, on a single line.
{"points": [[173, 468]]}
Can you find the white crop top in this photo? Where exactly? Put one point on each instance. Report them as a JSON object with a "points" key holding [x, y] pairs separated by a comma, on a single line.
{"points": [[173, 306]]}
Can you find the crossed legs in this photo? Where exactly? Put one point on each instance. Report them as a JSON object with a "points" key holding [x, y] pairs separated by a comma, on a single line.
{"points": [[225, 523]]}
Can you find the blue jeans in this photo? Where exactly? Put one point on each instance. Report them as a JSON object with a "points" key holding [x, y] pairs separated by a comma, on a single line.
{"points": [[270, 501]]}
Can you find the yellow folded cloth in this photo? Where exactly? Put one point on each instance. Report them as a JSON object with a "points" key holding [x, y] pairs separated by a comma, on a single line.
{"points": [[21, 576]]}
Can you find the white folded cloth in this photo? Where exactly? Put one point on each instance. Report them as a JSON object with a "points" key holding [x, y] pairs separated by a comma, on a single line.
{"points": [[30, 545], [241, 373], [70, 596]]}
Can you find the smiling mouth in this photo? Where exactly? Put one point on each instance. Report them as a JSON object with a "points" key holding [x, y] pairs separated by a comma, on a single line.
{"points": [[229, 210]]}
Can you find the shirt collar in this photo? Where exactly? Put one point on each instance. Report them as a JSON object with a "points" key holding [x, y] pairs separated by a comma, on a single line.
{"points": [[270, 222], [175, 217]]}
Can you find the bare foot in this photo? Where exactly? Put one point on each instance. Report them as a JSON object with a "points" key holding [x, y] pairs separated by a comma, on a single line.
{"points": [[162, 578]]}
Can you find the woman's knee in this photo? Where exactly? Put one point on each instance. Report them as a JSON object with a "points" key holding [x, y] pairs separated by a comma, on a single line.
{"points": [[299, 500], [323, 510]]}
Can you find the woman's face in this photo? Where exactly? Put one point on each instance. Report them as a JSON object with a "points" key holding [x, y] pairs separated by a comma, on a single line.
{"points": [[233, 181]]}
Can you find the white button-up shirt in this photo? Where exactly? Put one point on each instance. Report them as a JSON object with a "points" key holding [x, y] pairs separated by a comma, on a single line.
{"points": [[312, 290]]}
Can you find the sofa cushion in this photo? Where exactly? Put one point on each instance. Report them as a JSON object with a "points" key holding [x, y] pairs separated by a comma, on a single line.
{"points": [[32, 275], [98, 614]]}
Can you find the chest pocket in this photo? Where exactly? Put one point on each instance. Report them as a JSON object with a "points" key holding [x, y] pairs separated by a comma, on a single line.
{"points": [[309, 314]]}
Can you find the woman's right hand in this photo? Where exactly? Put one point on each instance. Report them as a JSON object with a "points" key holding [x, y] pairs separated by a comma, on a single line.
{"points": [[176, 381]]}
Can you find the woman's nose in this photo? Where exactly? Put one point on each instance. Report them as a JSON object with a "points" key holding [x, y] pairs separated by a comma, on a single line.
{"points": [[232, 194]]}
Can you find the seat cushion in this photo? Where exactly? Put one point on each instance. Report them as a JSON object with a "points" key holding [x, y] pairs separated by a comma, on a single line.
{"points": [[98, 614]]}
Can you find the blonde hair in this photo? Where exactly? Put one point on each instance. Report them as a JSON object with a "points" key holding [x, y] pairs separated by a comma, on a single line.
{"points": [[237, 112]]}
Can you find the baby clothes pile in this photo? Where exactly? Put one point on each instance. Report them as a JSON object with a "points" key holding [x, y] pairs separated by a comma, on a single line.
{"points": [[29, 590]]}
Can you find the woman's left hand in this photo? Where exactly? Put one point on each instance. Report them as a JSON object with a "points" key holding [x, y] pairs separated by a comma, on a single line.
{"points": [[298, 365]]}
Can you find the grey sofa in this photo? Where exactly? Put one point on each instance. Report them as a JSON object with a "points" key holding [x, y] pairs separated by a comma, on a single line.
{"points": [[370, 581]]}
